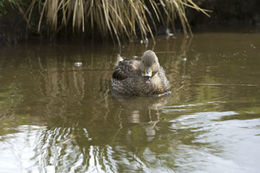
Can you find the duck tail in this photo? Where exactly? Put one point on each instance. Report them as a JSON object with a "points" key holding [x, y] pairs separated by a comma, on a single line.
{"points": [[119, 58]]}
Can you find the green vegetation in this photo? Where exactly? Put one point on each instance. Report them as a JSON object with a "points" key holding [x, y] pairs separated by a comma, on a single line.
{"points": [[115, 18], [3, 5]]}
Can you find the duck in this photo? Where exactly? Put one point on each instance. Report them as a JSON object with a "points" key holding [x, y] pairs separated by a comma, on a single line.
{"points": [[145, 77]]}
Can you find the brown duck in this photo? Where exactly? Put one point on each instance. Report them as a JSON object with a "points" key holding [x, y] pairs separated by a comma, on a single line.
{"points": [[139, 78]]}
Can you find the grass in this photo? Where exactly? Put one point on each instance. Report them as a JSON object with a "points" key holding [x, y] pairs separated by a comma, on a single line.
{"points": [[116, 18]]}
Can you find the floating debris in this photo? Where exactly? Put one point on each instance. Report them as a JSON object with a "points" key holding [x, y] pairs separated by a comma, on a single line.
{"points": [[169, 33], [252, 46], [78, 64], [144, 41]]}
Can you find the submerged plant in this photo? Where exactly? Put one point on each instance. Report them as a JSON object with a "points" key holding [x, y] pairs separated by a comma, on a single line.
{"points": [[117, 18]]}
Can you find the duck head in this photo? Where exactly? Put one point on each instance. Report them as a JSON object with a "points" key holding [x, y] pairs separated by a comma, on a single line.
{"points": [[149, 65]]}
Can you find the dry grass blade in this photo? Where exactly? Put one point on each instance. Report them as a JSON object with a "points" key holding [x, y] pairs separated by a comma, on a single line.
{"points": [[42, 12], [195, 6]]}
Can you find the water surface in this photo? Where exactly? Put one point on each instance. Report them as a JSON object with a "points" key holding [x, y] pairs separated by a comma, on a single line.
{"points": [[57, 113]]}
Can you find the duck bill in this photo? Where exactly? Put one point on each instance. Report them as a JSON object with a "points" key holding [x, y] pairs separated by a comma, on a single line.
{"points": [[148, 74]]}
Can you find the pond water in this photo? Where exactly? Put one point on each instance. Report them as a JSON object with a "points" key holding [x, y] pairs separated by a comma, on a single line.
{"points": [[57, 113]]}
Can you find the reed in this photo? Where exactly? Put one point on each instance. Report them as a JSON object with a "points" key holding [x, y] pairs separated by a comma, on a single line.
{"points": [[116, 18]]}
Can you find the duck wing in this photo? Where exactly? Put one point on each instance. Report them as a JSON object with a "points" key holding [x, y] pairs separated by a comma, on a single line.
{"points": [[125, 69]]}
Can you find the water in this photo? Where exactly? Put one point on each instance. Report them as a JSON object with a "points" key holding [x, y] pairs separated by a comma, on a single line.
{"points": [[57, 113]]}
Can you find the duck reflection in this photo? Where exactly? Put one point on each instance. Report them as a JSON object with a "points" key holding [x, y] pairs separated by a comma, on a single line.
{"points": [[142, 113]]}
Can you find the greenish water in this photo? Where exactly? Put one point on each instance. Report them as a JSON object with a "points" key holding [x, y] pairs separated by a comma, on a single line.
{"points": [[57, 115]]}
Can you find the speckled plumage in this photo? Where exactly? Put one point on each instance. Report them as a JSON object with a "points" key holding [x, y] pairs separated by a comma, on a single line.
{"points": [[128, 76]]}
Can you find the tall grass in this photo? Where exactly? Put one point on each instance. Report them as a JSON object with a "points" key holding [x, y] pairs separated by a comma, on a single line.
{"points": [[117, 18]]}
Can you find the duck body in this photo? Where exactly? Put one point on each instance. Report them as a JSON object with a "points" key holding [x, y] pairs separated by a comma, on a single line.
{"points": [[139, 78]]}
